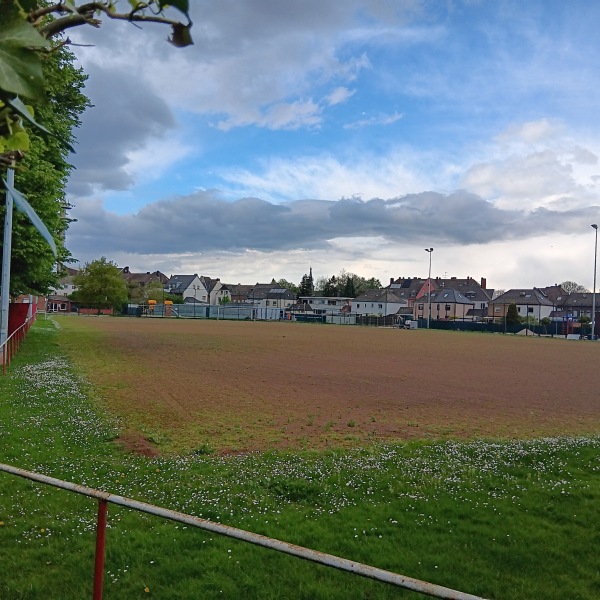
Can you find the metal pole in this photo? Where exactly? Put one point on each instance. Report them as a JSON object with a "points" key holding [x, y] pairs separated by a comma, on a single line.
{"points": [[594, 290], [6, 253], [100, 546], [429, 251]]}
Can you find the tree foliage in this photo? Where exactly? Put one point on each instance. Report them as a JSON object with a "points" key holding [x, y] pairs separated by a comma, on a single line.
{"points": [[100, 284], [512, 315], [572, 287], [347, 284], [27, 31], [307, 286], [287, 285], [36, 65], [42, 176]]}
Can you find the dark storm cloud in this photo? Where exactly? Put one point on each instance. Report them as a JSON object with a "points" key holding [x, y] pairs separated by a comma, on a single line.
{"points": [[130, 115], [204, 222]]}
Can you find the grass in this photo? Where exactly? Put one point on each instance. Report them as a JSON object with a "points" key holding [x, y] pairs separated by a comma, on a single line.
{"points": [[504, 520]]}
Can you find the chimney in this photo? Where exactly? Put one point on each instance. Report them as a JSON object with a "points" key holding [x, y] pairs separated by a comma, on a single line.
{"points": [[484, 283], [391, 280]]}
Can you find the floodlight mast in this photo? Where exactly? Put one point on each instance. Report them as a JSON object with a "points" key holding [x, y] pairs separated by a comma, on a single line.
{"points": [[430, 252], [595, 227]]}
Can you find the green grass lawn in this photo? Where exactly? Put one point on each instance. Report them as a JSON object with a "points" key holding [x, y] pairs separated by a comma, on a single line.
{"points": [[504, 520]]}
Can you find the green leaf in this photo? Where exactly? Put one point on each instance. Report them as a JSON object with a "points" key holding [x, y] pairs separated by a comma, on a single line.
{"points": [[18, 141], [16, 32], [20, 67], [181, 5], [17, 105], [24, 206], [181, 36]]}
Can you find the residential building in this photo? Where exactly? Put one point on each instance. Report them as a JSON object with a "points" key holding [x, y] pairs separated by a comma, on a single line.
{"points": [[188, 286], [529, 302], [447, 304], [382, 302], [326, 305]]}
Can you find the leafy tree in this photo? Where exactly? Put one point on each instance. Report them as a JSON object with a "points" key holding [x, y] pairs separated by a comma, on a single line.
{"points": [[42, 176], [27, 28], [153, 290], [225, 300], [100, 285], [36, 66], [307, 287], [571, 287], [331, 288], [288, 285], [512, 315]]}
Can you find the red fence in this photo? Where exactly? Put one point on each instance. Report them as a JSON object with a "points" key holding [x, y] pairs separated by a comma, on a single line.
{"points": [[19, 322]]}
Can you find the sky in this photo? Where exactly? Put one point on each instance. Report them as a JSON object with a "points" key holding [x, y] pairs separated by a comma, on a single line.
{"points": [[344, 135]]}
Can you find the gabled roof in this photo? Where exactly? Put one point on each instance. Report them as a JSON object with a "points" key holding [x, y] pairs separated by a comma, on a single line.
{"points": [[578, 300], [143, 278], [209, 283], [449, 296], [415, 287], [555, 293], [385, 295], [179, 283], [533, 296]]}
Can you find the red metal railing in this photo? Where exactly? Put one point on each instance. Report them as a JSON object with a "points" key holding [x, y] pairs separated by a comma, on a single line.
{"points": [[11, 346], [343, 564]]}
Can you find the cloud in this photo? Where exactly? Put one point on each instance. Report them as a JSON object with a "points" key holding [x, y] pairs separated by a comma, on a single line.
{"points": [[339, 95], [131, 117], [378, 120], [205, 222]]}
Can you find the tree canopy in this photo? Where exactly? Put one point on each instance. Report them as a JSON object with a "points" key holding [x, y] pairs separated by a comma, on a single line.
{"points": [[40, 104], [31, 28], [347, 284], [42, 176], [100, 284], [573, 287]]}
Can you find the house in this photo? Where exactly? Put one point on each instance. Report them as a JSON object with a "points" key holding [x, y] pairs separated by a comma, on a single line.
{"points": [[215, 290], [529, 302], [413, 289], [195, 289], [138, 282], [239, 292], [56, 303], [66, 285], [267, 295], [187, 286], [382, 302], [327, 305], [446, 304], [576, 305]]}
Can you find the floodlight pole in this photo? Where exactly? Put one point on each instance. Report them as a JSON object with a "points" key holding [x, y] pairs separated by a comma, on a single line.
{"points": [[594, 290], [6, 253], [429, 251]]}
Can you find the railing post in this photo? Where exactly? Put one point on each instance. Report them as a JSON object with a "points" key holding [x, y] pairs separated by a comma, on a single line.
{"points": [[100, 545]]}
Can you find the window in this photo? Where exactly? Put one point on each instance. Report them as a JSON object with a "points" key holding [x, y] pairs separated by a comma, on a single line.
{"points": [[496, 309], [530, 309], [447, 307], [420, 307], [380, 305], [357, 306], [267, 303]]}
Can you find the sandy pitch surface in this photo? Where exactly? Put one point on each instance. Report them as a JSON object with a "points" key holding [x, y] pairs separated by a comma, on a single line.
{"points": [[239, 386]]}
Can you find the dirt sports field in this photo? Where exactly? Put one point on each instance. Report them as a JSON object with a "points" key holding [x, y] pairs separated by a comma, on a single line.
{"points": [[238, 386]]}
